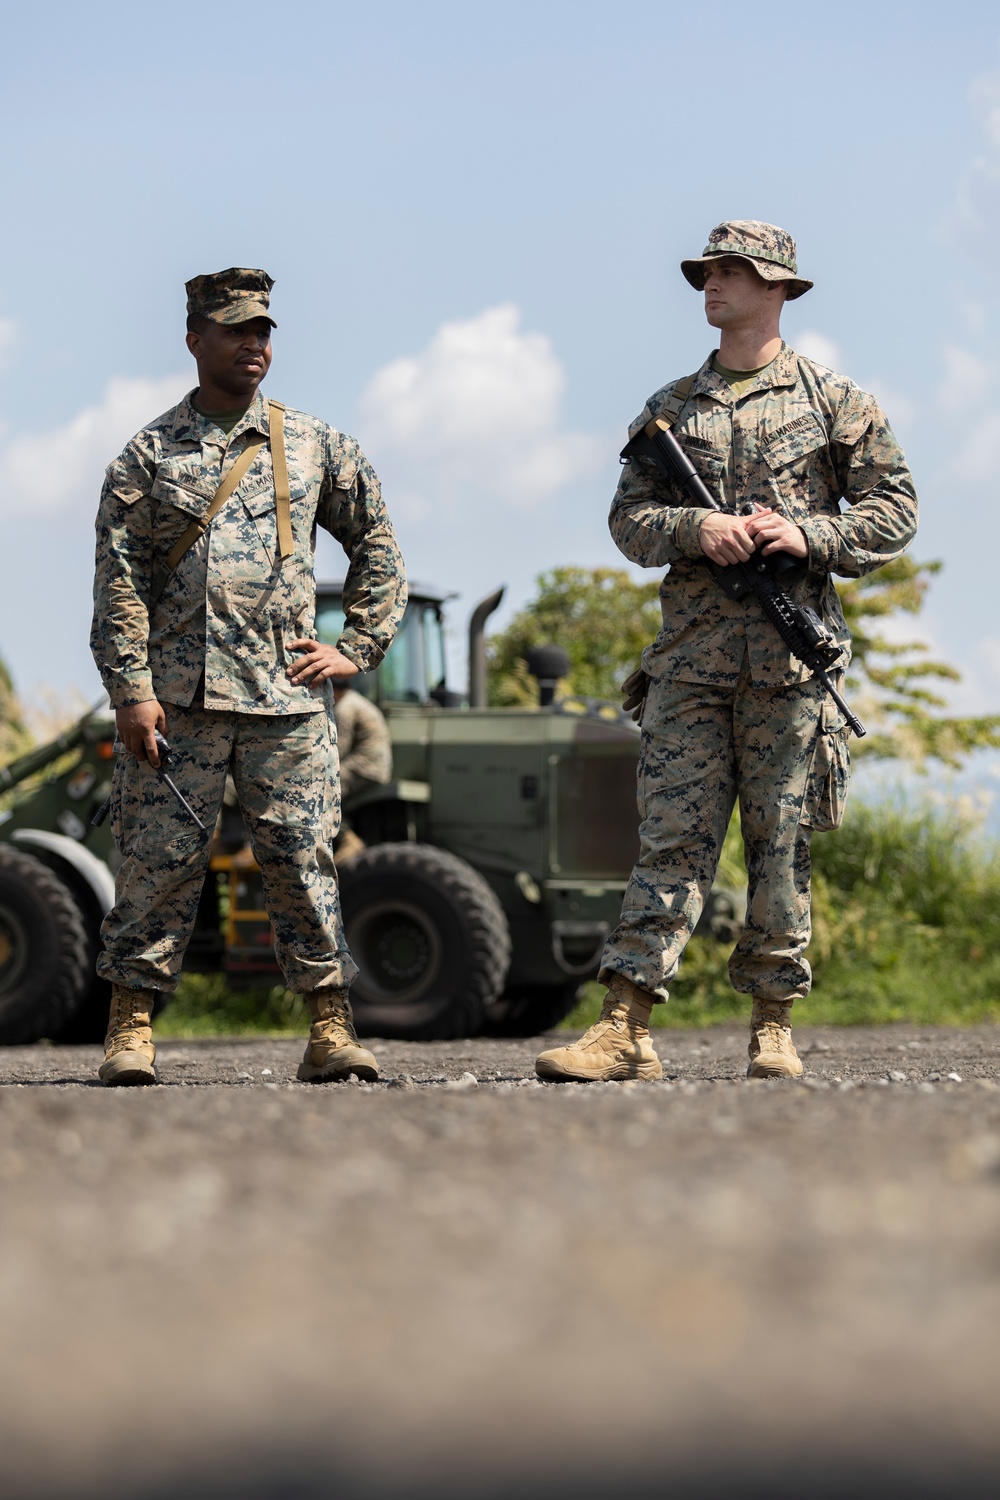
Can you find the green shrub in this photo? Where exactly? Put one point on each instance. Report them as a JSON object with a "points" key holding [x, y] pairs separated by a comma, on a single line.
{"points": [[204, 1005]]}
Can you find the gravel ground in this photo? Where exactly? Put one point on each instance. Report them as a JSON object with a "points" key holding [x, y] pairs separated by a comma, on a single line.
{"points": [[462, 1281]]}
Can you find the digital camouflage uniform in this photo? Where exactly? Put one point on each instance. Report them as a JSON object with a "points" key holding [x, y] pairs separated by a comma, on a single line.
{"points": [[213, 650], [364, 744], [730, 714]]}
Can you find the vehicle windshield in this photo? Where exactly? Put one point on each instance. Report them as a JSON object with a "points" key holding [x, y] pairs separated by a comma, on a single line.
{"points": [[414, 665]]}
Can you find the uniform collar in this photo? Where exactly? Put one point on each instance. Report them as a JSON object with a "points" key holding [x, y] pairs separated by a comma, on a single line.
{"points": [[783, 370], [188, 424]]}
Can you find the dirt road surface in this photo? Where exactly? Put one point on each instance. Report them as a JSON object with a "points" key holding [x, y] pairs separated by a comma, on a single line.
{"points": [[463, 1282]]}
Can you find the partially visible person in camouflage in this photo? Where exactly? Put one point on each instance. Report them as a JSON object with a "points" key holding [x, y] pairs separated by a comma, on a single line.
{"points": [[729, 714], [204, 604], [364, 748]]}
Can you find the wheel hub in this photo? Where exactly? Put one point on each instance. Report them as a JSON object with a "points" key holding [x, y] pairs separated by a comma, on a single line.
{"points": [[398, 951], [13, 949]]}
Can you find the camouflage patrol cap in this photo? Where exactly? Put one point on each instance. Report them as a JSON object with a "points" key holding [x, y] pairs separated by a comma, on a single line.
{"points": [[770, 250], [233, 296]]}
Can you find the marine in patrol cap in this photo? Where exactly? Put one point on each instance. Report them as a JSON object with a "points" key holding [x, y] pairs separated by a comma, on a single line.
{"points": [[233, 296], [770, 250]]}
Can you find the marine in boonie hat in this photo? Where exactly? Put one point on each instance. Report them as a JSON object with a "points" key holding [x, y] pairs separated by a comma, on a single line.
{"points": [[233, 296], [770, 250]]}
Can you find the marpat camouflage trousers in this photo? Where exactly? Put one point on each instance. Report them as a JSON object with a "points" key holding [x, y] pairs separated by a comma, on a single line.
{"points": [[782, 753], [285, 772]]}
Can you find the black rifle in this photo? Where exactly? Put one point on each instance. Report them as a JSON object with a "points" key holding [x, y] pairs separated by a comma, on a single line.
{"points": [[161, 771], [800, 627]]}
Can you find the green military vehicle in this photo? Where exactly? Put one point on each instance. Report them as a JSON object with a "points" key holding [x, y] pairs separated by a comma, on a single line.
{"points": [[495, 863]]}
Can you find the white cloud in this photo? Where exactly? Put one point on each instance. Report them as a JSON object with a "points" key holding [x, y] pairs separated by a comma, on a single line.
{"points": [[8, 342], [48, 470], [478, 411], [816, 345], [967, 379], [898, 407], [979, 456]]}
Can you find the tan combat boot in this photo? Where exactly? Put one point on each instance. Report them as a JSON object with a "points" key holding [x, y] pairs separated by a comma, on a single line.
{"points": [[617, 1046], [333, 1050], [128, 1046], [772, 1052]]}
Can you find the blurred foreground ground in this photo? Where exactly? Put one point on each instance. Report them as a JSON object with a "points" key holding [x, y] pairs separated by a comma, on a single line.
{"points": [[236, 1285]]}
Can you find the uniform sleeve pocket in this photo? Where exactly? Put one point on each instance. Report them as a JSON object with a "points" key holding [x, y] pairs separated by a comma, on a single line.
{"points": [[829, 773]]}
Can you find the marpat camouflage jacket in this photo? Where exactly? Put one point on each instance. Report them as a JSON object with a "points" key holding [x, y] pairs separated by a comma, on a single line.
{"points": [[800, 440], [230, 606]]}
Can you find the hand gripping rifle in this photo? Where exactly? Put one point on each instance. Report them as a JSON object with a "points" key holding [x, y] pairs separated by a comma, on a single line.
{"points": [[800, 627], [165, 753]]}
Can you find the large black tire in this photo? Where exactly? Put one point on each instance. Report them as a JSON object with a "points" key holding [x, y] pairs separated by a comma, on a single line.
{"points": [[430, 939], [44, 950], [531, 1009]]}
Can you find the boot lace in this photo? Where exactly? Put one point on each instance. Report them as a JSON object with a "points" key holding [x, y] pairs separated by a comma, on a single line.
{"points": [[128, 1039], [772, 1036], [335, 1027]]}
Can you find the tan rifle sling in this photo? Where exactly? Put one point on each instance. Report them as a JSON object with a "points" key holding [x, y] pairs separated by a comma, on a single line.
{"points": [[674, 402], [282, 500]]}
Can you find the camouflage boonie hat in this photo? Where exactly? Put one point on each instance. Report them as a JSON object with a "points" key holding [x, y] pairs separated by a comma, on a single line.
{"points": [[233, 296], [770, 250]]}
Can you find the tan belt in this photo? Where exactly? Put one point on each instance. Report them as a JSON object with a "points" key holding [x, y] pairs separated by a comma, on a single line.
{"points": [[282, 499]]}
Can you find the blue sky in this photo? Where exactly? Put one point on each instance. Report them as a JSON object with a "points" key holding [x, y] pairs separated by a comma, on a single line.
{"points": [[474, 215]]}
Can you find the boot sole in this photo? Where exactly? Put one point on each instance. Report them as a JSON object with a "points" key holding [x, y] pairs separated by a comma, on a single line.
{"points": [[756, 1071], [620, 1073], [126, 1074], [308, 1074]]}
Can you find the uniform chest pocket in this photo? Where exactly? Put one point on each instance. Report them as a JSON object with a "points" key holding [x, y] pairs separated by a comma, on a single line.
{"points": [[183, 493], [259, 501], [787, 447], [708, 458]]}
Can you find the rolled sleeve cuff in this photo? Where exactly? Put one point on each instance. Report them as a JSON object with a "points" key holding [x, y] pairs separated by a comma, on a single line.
{"points": [[823, 540], [127, 688], [361, 650], [687, 531]]}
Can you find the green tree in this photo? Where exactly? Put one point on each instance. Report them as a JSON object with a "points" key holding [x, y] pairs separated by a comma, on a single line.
{"points": [[14, 736], [897, 681], [601, 617]]}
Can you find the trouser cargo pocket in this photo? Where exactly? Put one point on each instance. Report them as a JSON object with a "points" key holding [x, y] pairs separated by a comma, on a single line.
{"points": [[829, 772]]}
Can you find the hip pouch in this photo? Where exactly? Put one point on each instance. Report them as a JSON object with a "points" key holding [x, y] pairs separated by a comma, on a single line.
{"points": [[829, 772]]}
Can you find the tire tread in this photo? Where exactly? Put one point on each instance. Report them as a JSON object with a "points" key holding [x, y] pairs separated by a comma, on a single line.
{"points": [[45, 1002], [483, 918]]}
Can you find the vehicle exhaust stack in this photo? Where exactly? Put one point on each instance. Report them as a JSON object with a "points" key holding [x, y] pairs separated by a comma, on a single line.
{"points": [[548, 664], [477, 647]]}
